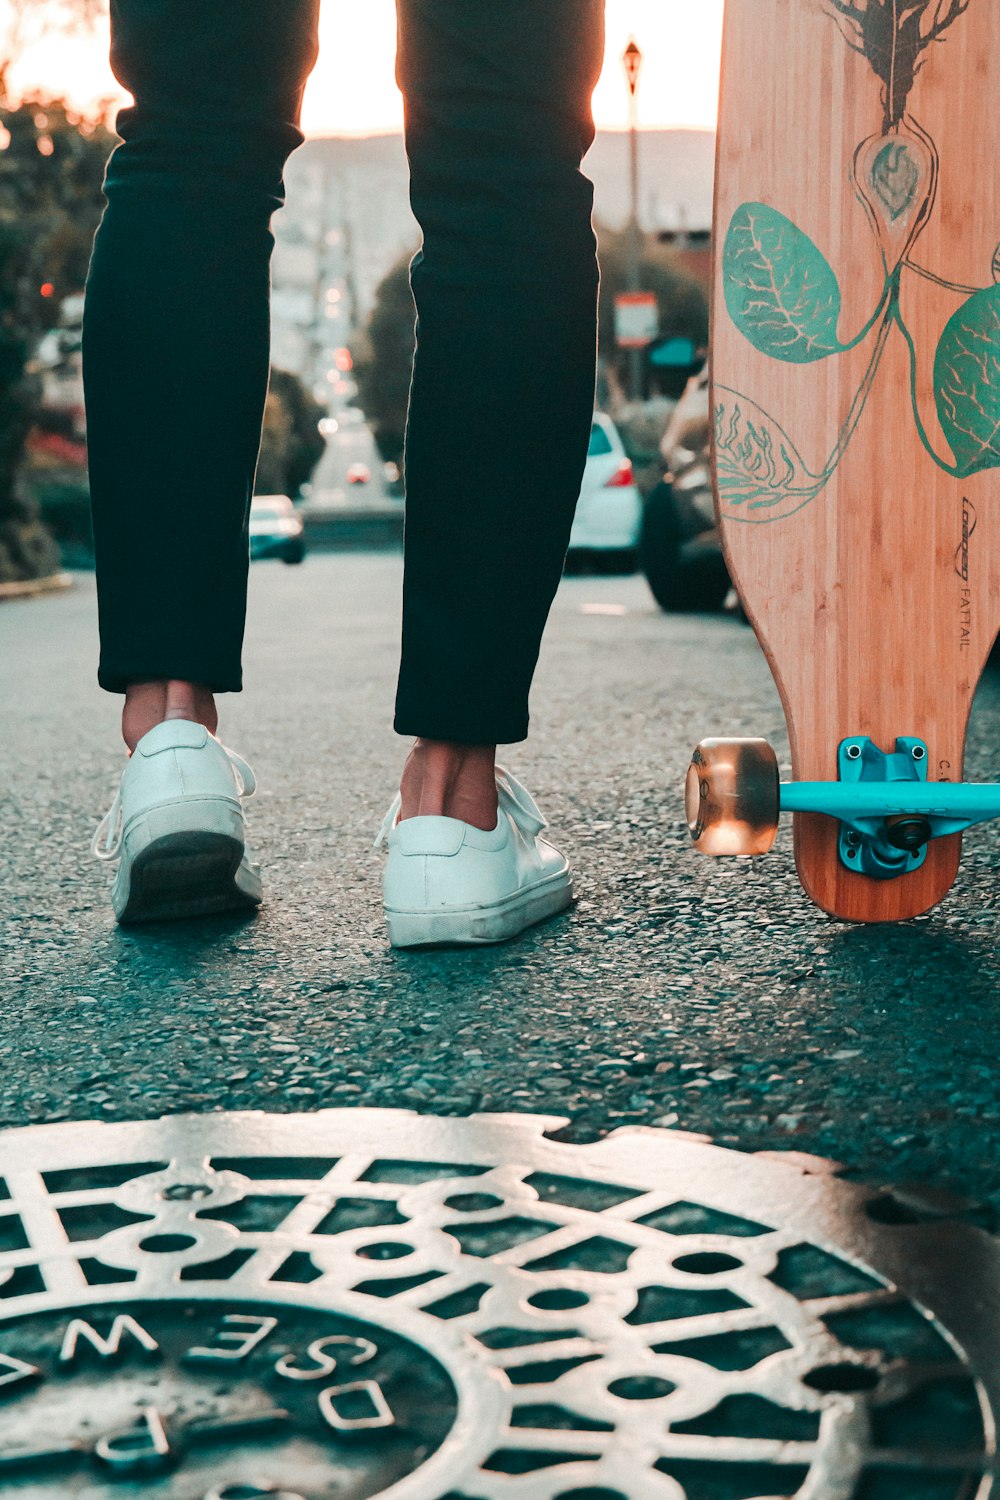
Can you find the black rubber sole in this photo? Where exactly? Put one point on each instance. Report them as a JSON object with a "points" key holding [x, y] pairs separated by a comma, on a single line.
{"points": [[194, 874]]}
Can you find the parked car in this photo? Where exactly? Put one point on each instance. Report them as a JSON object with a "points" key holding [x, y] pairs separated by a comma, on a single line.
{"points": [[275, 529], [609, 512], [680, 550]]}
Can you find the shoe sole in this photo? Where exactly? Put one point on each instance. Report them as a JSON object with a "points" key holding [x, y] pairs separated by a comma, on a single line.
{"points": [[185, 859], [476, 926]]}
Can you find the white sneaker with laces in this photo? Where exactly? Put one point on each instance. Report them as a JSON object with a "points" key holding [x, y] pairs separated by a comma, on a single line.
{"points": [[176, 826], [447, 882]]}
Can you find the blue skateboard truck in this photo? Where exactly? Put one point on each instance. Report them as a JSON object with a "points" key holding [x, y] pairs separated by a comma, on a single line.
{"points": [[887, 809]]}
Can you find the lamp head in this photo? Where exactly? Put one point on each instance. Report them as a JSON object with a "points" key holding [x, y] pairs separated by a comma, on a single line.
{"points": [[632, 62]]}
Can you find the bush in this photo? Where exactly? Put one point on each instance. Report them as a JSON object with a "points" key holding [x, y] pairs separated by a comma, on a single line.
{"points": [[27, 549]]}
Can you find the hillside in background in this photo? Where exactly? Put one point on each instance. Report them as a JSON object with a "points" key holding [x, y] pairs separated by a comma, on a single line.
{"points": [[676, 177], [676, 173]]}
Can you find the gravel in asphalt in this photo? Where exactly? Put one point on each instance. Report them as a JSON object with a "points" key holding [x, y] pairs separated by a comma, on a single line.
{"points": [[680, 991]]}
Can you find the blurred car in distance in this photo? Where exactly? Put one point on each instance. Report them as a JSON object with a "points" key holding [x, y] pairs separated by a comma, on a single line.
{"points": [[275, 529], [358, 474], [393, 477], [608, 516], [680, 550]]}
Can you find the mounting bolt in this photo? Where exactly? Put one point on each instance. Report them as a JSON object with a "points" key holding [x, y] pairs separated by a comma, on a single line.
{"points": [[908, 833], [918, 752], [854, 840], [854, 752]]}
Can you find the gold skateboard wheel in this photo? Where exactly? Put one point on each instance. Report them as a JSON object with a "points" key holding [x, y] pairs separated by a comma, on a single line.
{"points": [[732, 797]]}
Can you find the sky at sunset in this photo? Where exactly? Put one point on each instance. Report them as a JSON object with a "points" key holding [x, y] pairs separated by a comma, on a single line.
{"points": [[352, 89]]}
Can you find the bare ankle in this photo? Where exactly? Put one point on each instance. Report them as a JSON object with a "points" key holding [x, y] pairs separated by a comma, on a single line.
{"points": [[150, 703], [441, 779]]}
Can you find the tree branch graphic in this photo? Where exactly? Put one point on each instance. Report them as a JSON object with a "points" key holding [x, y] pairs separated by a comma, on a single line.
{"points": [[894, 35]]}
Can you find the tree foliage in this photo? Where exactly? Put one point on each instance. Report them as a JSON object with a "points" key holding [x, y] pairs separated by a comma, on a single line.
{"points": [[23, 23], [291, 443], [383, 360], [51, 172]]}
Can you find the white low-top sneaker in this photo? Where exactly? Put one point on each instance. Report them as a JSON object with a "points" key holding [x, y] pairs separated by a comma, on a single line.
{"points": [[449, 882], [176, 826]]}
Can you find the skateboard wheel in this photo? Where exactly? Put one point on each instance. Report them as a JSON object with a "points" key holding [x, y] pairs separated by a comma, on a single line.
{"points": [[732, 797]]}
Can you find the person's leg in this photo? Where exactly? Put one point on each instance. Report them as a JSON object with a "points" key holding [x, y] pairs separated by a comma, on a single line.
{"points": [[498, 118], [150, 703], [176, 336]]}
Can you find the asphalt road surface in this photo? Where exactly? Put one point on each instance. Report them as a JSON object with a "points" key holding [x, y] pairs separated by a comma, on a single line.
{"points": [[680, 991]]}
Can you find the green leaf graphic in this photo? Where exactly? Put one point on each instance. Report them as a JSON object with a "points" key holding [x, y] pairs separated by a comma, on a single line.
{"points": [[781, 291], [757, 466], [967, 382]]}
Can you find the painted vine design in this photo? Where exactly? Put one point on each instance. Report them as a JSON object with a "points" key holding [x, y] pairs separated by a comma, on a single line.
{"points": [[784, 296]]}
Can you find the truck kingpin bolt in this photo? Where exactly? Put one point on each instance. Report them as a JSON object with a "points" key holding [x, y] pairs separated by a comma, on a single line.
{"points": [[909, 834]]}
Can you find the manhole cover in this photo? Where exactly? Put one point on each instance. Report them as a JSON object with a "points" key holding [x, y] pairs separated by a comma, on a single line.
{"points": [[368, 1303]]}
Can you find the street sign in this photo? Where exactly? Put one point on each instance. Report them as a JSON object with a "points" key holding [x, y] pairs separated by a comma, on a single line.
{"points": [[637, 319], [675, 354]]}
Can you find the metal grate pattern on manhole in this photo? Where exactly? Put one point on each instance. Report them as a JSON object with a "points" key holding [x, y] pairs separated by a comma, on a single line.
{"points": [[363, 1303]]}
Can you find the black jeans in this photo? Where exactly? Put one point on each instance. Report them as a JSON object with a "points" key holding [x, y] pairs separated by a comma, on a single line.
{"points": [[498, 117]]}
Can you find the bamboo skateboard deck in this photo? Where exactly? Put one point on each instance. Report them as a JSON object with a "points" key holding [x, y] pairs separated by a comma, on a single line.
{"points": [[856, 384]]}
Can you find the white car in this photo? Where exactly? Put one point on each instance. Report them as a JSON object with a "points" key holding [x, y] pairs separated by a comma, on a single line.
{"points": [[608, 518], [276, 529]]}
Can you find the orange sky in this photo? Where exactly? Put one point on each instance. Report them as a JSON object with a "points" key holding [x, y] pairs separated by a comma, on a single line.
{"points": [[680, 38]]}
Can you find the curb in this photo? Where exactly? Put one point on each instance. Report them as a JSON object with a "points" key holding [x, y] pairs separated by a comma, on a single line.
{"points": [[27, 588]]}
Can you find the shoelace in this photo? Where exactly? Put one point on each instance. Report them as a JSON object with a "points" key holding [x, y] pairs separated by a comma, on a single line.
{"points": [[107, 841], [515, 800]]}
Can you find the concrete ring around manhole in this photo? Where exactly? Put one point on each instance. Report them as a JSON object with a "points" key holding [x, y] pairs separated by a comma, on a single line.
{"points": [[361, 1303]]}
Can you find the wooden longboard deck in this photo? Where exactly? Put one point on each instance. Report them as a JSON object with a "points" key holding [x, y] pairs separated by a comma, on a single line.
{"points": [[856, 383]]}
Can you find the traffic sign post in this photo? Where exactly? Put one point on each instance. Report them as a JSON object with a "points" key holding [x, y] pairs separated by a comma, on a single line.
{"points": [[633, 314], [637, 320]]}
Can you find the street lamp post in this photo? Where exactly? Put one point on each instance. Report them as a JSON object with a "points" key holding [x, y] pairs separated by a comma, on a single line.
{"points": [[632, 63]]}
